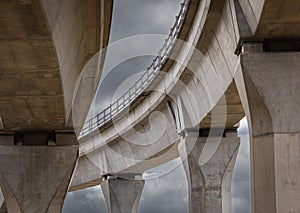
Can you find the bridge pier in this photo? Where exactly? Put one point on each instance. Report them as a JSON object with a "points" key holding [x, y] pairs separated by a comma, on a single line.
{"points": [[208, 163], [35, 179], [268, 84], [122, 194]]}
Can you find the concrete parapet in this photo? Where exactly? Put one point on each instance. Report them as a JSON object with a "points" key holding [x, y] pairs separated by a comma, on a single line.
{"points": [[36, 178], [122, 195], [208, 163]]}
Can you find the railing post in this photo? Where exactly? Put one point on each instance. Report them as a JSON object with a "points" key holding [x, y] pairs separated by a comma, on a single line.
{"points": [[110, 111], [98, 120], [90, 125]]}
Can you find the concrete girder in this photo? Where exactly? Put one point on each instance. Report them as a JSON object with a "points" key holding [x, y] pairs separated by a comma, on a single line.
{"points": [[271, 19]]}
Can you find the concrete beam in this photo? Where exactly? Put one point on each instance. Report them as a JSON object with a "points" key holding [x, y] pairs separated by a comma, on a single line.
{"points": [[36, 178], [269, 87], [270, 18], [208, 163], [122, 195]]}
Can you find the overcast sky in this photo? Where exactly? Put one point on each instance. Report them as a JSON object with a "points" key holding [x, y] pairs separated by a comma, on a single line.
{"points": [[167, 192], [133, 18]]}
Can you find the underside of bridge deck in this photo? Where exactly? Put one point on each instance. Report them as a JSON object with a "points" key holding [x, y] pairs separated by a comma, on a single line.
{"points": [[44, 46]]}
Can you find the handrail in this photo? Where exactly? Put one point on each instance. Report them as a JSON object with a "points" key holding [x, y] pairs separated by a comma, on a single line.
{"points": [[143, 82]]}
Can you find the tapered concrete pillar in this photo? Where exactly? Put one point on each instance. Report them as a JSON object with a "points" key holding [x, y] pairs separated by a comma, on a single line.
{"points": [[208, 163], [269, 87], [35, 179], [122, 195]]}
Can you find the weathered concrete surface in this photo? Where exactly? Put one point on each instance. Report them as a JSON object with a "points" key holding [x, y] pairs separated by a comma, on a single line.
{"points": [[268, 84], [272, 18], [30, 81], [44, 46], [209, 174], [36, 179], [79, 30], [119, 147], [122, 195], [269, 87], [134, 151]]}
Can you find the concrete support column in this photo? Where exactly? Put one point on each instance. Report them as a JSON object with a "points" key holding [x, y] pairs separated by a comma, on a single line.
{"points": [[268, 83], [122, 195], [36, 178], [208, 163]]}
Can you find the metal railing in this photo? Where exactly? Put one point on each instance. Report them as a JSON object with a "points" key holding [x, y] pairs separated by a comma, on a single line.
{"points": [[143, 82]]}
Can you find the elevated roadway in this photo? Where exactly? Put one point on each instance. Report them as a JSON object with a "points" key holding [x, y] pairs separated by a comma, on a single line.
{"points": [[224, 59], [228, 64]]}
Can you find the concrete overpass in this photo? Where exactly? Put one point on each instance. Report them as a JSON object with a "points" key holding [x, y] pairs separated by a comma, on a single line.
{"points": [[241, 58], [44, 47], [233, 48]]}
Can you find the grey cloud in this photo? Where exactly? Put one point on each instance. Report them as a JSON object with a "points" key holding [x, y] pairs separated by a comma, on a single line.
{"points": [[133, 17], [167, 192], [116, 77], [89, 200], [243, 129], [241, 188]]}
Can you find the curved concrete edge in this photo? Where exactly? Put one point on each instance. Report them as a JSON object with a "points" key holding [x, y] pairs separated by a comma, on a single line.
{"points": [[216, 65], [79, 30]]}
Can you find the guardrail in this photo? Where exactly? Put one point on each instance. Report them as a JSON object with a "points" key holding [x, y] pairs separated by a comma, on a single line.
{"points": [[143, 82]]}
